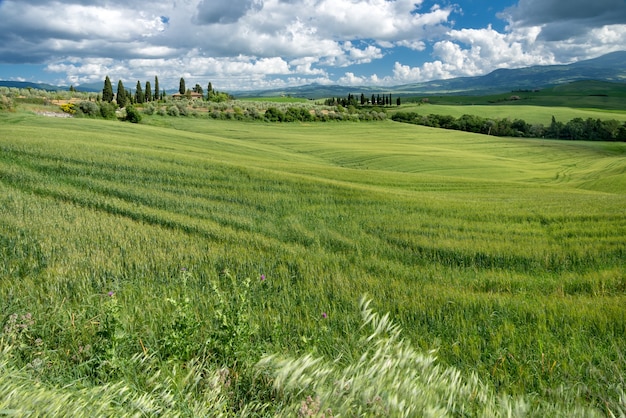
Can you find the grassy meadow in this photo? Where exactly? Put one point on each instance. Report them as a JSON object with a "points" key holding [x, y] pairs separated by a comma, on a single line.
{"points": [[529, 113], [172, 255]]}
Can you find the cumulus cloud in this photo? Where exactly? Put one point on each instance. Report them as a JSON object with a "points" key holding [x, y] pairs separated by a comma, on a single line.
{"points": [[211, 11], [254, 43], [563, 21]]}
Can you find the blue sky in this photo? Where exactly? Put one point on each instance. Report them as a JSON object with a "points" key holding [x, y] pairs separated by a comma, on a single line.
{"points": [[257, 44]]}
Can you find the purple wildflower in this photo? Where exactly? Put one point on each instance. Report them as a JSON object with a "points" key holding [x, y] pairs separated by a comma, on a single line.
{"points": [[111, 293], [324, 315], [262, 277]]}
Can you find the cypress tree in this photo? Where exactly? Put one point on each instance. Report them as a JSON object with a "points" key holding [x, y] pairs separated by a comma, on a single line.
{"points": [[121, 98], [181, 87], [209, 91], [156, 88], [107, 91], [139, 98], [148, 92]]}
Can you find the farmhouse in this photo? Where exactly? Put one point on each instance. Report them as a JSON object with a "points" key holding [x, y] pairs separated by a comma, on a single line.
{"points": [[191, 95]]}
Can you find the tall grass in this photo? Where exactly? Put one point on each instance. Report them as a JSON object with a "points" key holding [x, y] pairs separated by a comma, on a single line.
{"points": [[504, 255]]}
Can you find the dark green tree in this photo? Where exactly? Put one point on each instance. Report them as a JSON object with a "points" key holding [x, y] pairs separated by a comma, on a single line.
{"points": [[398, 102], [157, 92], [107, 91], [139, 97], [121, 97], [148, 92], [181, 86], [209, 91], [198, 89]]}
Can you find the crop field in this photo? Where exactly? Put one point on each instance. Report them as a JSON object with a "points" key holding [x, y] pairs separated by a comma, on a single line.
{"points": [[531, 114], [181, 239]]}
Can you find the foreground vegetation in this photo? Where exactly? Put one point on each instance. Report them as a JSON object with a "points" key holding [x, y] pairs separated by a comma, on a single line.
{"points": [[188, 266]]}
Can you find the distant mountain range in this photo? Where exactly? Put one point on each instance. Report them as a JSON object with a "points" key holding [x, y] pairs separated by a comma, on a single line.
{"points": [[610, 67]]}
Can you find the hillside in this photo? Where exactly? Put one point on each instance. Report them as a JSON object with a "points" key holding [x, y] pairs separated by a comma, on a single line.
{"points": [[610, 68], [160, 261]]}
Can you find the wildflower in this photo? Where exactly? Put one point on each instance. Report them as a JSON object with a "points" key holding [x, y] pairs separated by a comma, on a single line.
{"points": [[183, 269], [111, 293], [262, 277], [324, 315]]}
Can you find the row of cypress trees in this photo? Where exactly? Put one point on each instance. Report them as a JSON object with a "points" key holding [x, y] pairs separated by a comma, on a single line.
{"points": [[144, 95], [123, 96]]}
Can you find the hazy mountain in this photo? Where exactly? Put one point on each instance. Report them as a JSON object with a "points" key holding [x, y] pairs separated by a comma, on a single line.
{"points": [[49, 87], [610, 67]]}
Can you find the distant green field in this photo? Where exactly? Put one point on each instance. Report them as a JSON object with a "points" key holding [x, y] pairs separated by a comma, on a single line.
{"points": [[531, 114], [588, 94], [506, 255]]}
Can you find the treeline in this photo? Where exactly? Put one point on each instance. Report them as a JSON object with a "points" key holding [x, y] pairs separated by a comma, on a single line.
{"points": [[352, 100], [146, 93], [576, 129]]}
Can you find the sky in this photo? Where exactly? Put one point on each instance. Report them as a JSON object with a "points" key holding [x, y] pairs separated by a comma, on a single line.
{"points": [[263, 44]]}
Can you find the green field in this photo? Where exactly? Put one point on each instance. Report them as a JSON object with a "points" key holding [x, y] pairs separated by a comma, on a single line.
{"points": [[587, 94], [531, 114], [505, 255]]}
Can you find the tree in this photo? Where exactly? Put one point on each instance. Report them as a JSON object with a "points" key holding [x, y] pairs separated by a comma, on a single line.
{"points": [[148, 92], [398, 102], [198, 89], [156, 88], [107, 91], [139, 97], [181, 87], [209, 91], [121, 97]]}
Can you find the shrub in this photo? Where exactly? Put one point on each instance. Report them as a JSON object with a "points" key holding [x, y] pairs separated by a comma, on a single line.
{"points": [[173, 111], [149, 109], [89, 109], [107, 110], [68, 108], [6, 103], [132, 115], [182, 109], [274, 115]]}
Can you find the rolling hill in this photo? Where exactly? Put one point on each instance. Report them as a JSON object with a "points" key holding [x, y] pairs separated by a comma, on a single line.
{"points": [[610, 68]]}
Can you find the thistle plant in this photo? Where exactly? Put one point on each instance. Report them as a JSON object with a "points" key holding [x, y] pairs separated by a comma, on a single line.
{"points": [[232, 332]]}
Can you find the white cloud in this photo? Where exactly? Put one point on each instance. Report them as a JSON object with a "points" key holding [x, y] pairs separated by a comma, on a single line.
{"points": [[251, 43]]}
